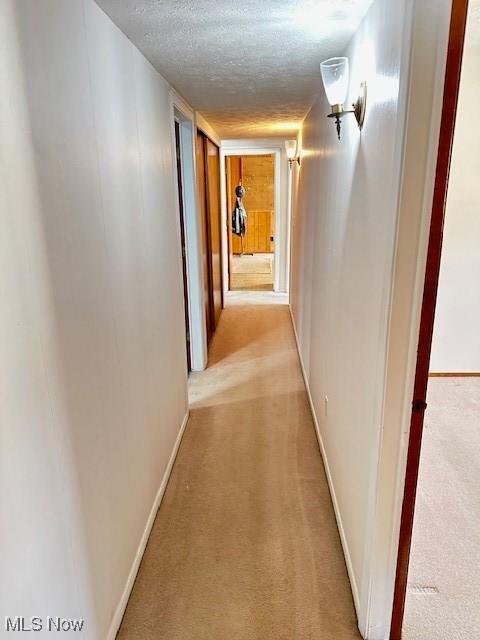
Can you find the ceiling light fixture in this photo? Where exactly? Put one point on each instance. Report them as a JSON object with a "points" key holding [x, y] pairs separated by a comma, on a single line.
{"points": [[335, 77], [291, 147]]}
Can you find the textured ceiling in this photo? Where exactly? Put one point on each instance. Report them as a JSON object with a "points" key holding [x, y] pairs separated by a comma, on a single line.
{"points": [[251, 67]]}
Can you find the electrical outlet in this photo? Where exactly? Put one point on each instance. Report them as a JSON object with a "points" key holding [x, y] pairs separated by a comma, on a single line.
{"points": [[326, 406]]}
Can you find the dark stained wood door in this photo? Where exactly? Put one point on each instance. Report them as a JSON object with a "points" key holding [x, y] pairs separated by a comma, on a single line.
{"points": [[432, 271], [215, 226], [206, 261]]}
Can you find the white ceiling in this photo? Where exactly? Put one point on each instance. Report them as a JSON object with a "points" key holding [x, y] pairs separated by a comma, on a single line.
{"points": [[250, 66]]}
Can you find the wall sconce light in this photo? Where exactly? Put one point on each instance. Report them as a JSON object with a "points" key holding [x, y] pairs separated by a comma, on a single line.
{"points": [[335, 77], [291, 147]]}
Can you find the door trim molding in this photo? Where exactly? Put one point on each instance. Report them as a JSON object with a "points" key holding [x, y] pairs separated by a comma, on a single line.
{"points": [[449, 108], [281, 245], [183, 113], [422, 75]]}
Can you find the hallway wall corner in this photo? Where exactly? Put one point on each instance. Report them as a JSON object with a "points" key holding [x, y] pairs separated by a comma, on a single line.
{"points": [[328, 473], [92, 318], [358, 243], [122, 604]]}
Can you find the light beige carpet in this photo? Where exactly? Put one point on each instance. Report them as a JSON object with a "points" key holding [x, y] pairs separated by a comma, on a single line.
{"points": [[245, 545], [443, 599], [255, 297], [256, 263], [252, 272]]}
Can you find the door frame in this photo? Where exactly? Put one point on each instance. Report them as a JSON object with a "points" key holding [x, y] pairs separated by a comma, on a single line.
{"points": [[427, 314], [281, 243], [421, 76], [183, 241], [181, 111], [229, 213]]}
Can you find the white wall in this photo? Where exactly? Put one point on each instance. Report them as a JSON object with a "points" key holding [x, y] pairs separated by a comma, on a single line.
{"points": [[355, 287], [456, 339], [344, 243], [93, 388]]}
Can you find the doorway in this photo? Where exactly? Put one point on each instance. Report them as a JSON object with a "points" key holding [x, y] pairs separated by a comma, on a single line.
{"points": [[189, 232], [183, 243], [250, 188], [437, 588]]}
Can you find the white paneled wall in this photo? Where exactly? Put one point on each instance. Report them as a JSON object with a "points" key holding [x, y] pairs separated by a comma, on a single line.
{"points": [[357, 280], [344, 245], [93, 382]]}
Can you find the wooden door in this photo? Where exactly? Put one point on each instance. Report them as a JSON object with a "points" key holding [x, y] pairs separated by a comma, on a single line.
{"points": [[202, 196], [215, 227], [208, 172], [183, 243], [432, 271]]}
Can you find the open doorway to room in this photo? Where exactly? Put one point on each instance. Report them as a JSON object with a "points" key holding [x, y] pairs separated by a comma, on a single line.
{"points": [[438, 574], [190, 234], [250, 187], [183, 242]]}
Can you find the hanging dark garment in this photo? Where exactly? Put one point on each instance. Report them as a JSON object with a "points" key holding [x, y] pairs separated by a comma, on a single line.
{"points": [[239, 219]]}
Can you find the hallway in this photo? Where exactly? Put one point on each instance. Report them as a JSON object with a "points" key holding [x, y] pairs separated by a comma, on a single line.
{"points": [[245, 544], [121, 275]]}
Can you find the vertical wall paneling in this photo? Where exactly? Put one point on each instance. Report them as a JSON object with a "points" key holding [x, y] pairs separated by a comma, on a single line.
{"points": [[91, 329], [359, 239]]}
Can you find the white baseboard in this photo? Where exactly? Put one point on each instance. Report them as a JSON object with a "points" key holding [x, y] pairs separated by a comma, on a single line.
{"points": [[336, 508], [122, 605]]}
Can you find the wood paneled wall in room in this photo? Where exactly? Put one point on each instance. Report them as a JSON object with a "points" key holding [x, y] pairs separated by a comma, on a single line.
{"points": [[257, 176]]}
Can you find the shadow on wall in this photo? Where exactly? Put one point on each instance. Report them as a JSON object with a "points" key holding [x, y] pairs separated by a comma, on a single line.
{"points": [[90, 191], [41, 467], [342, 275]]}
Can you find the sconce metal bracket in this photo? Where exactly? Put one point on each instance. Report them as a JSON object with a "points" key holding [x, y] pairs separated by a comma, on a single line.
{"points": [[292, 160], [338, 119], [360, 104], [358, 110]]}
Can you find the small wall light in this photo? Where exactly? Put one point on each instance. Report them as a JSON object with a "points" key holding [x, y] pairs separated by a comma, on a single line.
{"points": [[335, 77], [291, 148]]}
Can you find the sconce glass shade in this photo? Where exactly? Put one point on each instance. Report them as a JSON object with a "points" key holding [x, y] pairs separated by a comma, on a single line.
{"points": [[291, 149], [335, 77]]}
